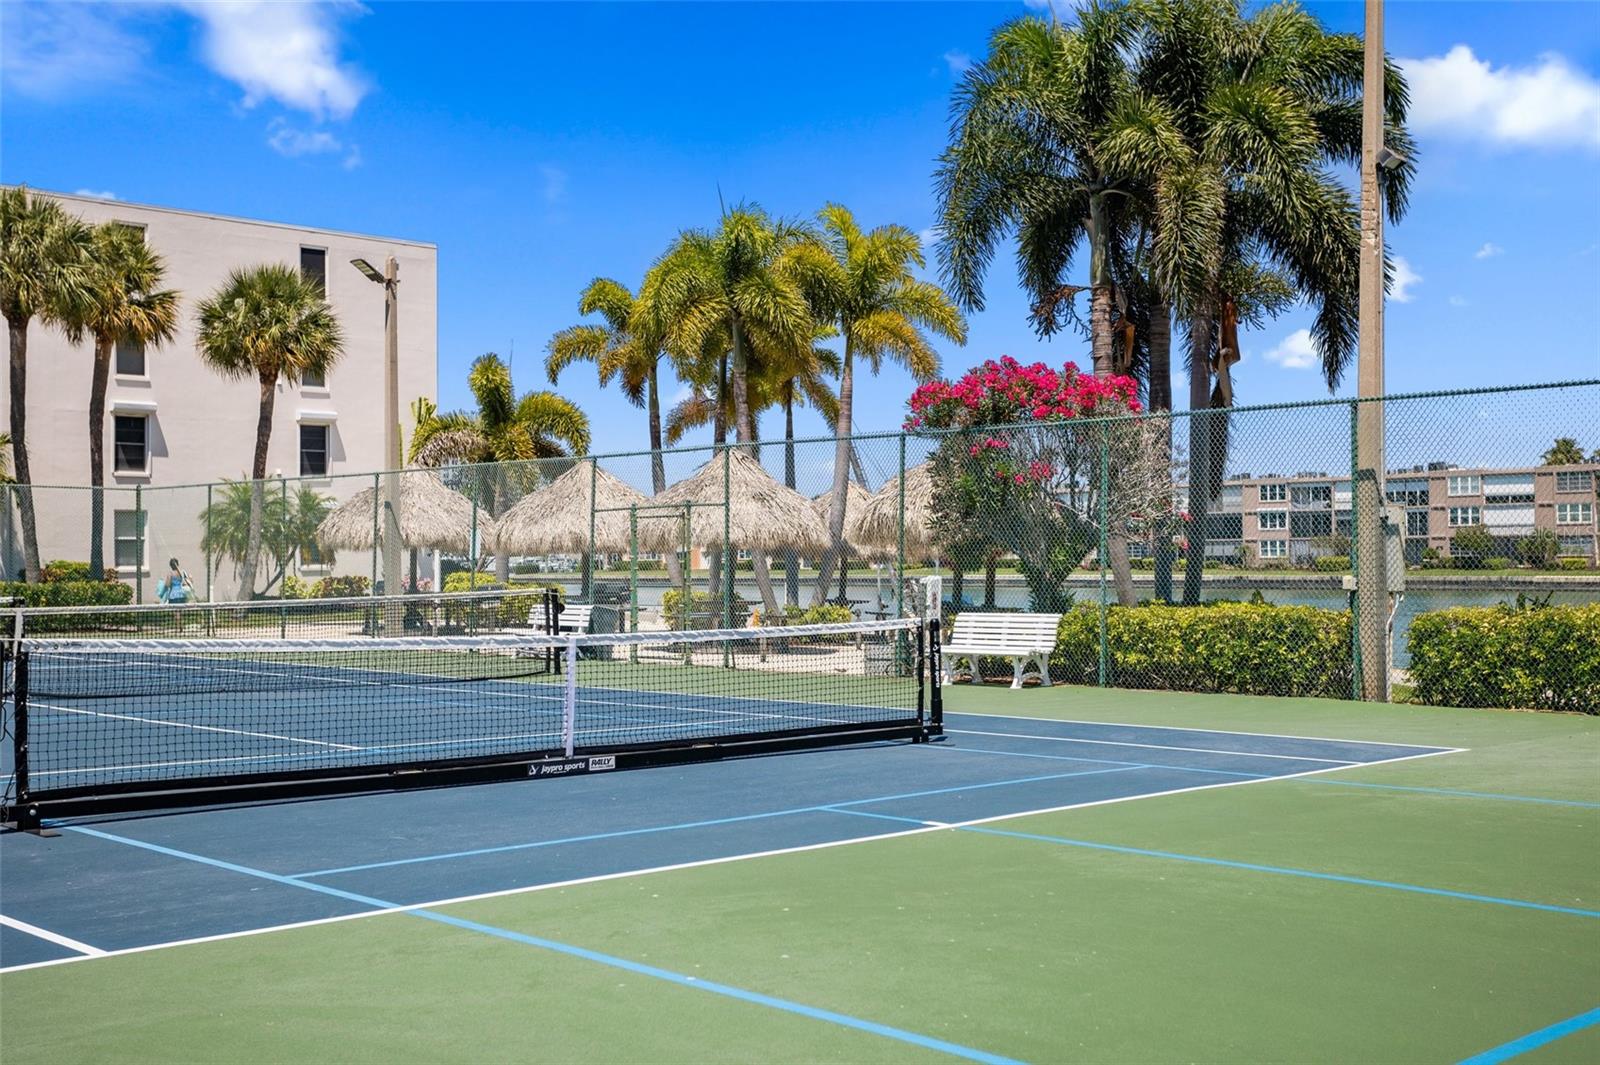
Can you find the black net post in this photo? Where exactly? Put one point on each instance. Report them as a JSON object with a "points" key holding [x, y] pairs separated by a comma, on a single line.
{"points": [[935, 679], [25, 814]]}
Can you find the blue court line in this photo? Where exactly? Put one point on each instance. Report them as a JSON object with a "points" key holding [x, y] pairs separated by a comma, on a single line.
{"points": [[1454, 792], [1534, 1040], [707, 823], [1309, 874], [667, 975], [1112, 761], [881, 817]]}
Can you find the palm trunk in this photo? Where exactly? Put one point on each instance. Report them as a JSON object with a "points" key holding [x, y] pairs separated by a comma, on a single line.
{"points": [[258, 474], [19, 447], [839, 496], [1200, 456], [989, 566], [97, 456], [745, 432], [1160, 375], [1100, 345], [791, 558], [658, 468], [719, 437]]}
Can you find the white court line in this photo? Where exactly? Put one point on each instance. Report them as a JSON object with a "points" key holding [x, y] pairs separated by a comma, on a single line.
{"points": [[1189, 728], [704, 862], [1160, 747], [51, 937], [198, 728]]}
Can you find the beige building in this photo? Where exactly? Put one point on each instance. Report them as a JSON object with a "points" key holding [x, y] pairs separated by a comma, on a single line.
{"points": [[170, 421]]}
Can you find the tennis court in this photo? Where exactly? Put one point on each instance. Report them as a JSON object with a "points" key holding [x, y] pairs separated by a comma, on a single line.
{"points": [[1064, 874]]}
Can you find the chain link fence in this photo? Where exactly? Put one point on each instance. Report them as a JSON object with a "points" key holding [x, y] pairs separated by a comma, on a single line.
{"points": [[1193, 551]]}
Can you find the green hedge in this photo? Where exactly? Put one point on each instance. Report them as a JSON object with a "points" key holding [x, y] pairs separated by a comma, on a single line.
{"points": [[1545, 658], [1253, 649], [1332, 564], [68, 593]]}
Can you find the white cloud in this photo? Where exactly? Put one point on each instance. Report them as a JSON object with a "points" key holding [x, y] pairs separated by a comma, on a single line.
{"points": [[96, 194], [1488, 251], [288, 52], [1548, 104], [958, 61], [287, 140], [929, 237], [51, 50], [1404, 280], [1295, 351], [555, 183], [352, 158], [1458, 301]]}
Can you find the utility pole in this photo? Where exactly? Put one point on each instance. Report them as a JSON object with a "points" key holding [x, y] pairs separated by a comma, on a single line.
{"points": [[1372, 599], [393, 615]]}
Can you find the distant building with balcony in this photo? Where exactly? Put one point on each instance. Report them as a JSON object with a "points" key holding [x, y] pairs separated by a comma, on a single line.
{"points": [[1294, 518]]}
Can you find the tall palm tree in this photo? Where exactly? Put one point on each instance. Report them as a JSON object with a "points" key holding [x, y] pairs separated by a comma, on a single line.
{"points": [[126, 304], [505, 429], [44, 274], [863, 285], [266, 322], [624, 347], [1565, 452]]}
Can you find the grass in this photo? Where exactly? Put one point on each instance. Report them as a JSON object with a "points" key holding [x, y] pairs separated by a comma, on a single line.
{"points": [[1038, 949]]}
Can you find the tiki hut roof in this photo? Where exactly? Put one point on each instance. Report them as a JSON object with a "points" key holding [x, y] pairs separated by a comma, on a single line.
{"points": [[763, 514], [878, 525], [431, 515], [855, 502], [555, 519]]}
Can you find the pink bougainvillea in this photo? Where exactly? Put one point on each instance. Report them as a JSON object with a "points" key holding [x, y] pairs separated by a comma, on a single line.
{"points": [[1004, 391]]}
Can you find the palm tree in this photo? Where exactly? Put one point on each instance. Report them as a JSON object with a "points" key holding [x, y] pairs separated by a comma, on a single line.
{"points": [[1566, 452], [862, 284], [266, 322], [506, 430], [44, 274], [126, 304], [624, 348]]}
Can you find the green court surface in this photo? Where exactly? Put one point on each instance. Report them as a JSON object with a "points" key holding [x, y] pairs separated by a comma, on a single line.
{"points": [[1427, 910]]}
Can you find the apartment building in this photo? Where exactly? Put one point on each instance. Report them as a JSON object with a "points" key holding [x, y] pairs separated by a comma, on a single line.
{"points": [[1291, 518], [171, 421]]}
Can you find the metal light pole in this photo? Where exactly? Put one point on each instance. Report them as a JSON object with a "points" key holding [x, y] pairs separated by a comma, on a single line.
{"points": [[392, 548], [1372, 599]]}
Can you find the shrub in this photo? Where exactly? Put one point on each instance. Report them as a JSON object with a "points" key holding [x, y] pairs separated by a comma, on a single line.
{"points": [[1574, 563], [342, 587], [296, 588], [1539, 549], [1431, 556], [1541, 658], [1332, 564], [462, 581], [58, 571], [705, 610], [1469, 545], [1498, 562], [67, 593], [822, 614], [1254, 649], [1143, 563]]}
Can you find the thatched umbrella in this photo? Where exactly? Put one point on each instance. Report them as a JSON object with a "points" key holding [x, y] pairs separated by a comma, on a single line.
{"points": [[555, 519], [856, 498], [878, 525], [430, 516], [763, 516]]}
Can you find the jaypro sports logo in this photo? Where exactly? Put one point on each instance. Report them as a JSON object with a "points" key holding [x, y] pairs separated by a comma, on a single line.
{"points": [[597, 764]]}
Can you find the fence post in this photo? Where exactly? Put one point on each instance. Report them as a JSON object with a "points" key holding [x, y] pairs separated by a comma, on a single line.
{"points": [[207, 541], [1355, 552], [728, 567], [138, 532], [588, 558], [372, 592], [900, 550], [1102, 671]]}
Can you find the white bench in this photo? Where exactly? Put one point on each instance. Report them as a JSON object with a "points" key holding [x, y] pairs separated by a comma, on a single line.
{"points": [[1026, 639], [573, 620]]}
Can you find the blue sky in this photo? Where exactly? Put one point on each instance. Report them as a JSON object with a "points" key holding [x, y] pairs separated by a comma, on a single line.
{"points": [[542, 145]]}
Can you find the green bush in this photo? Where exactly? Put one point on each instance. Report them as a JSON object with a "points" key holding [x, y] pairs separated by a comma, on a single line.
{"points": [[462, 581], [1470, 545], [1574, 563], [822, 614], [1539, 549], [1529, 659], [59, 571], [705, 610], [1431, 556], [1332, 564], [1254, 649], [296, 588], [67, 593], [1143, 563], [1498, 562], [342, 587]]}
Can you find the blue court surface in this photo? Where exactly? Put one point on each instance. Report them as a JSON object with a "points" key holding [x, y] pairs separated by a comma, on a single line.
{"points": [[136, 881]]}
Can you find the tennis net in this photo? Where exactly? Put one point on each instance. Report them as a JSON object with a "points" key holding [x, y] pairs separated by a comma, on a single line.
{"points": [[110, 724]]}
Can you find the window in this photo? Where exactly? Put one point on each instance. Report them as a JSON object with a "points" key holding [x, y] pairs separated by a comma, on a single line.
{"points": [[1272, 520], [1311, 495], [1465, 516], [313, 379], [127, 526], [1416, 523], [129, 438], [1465, 485], [313, 451], [1578, 481], [1574, 513], [311, 556], [1274, 549], [1407, 493], [1274, 493], [130, 358], [1312, 523], [1577, 545], [314, 266]]}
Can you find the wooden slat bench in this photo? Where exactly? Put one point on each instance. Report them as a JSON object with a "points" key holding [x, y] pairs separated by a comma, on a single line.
{"points": [[574, 619], [1025, 639]]}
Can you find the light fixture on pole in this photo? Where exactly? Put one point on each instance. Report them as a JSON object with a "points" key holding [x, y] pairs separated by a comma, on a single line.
{"points": [[390, 280]]}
